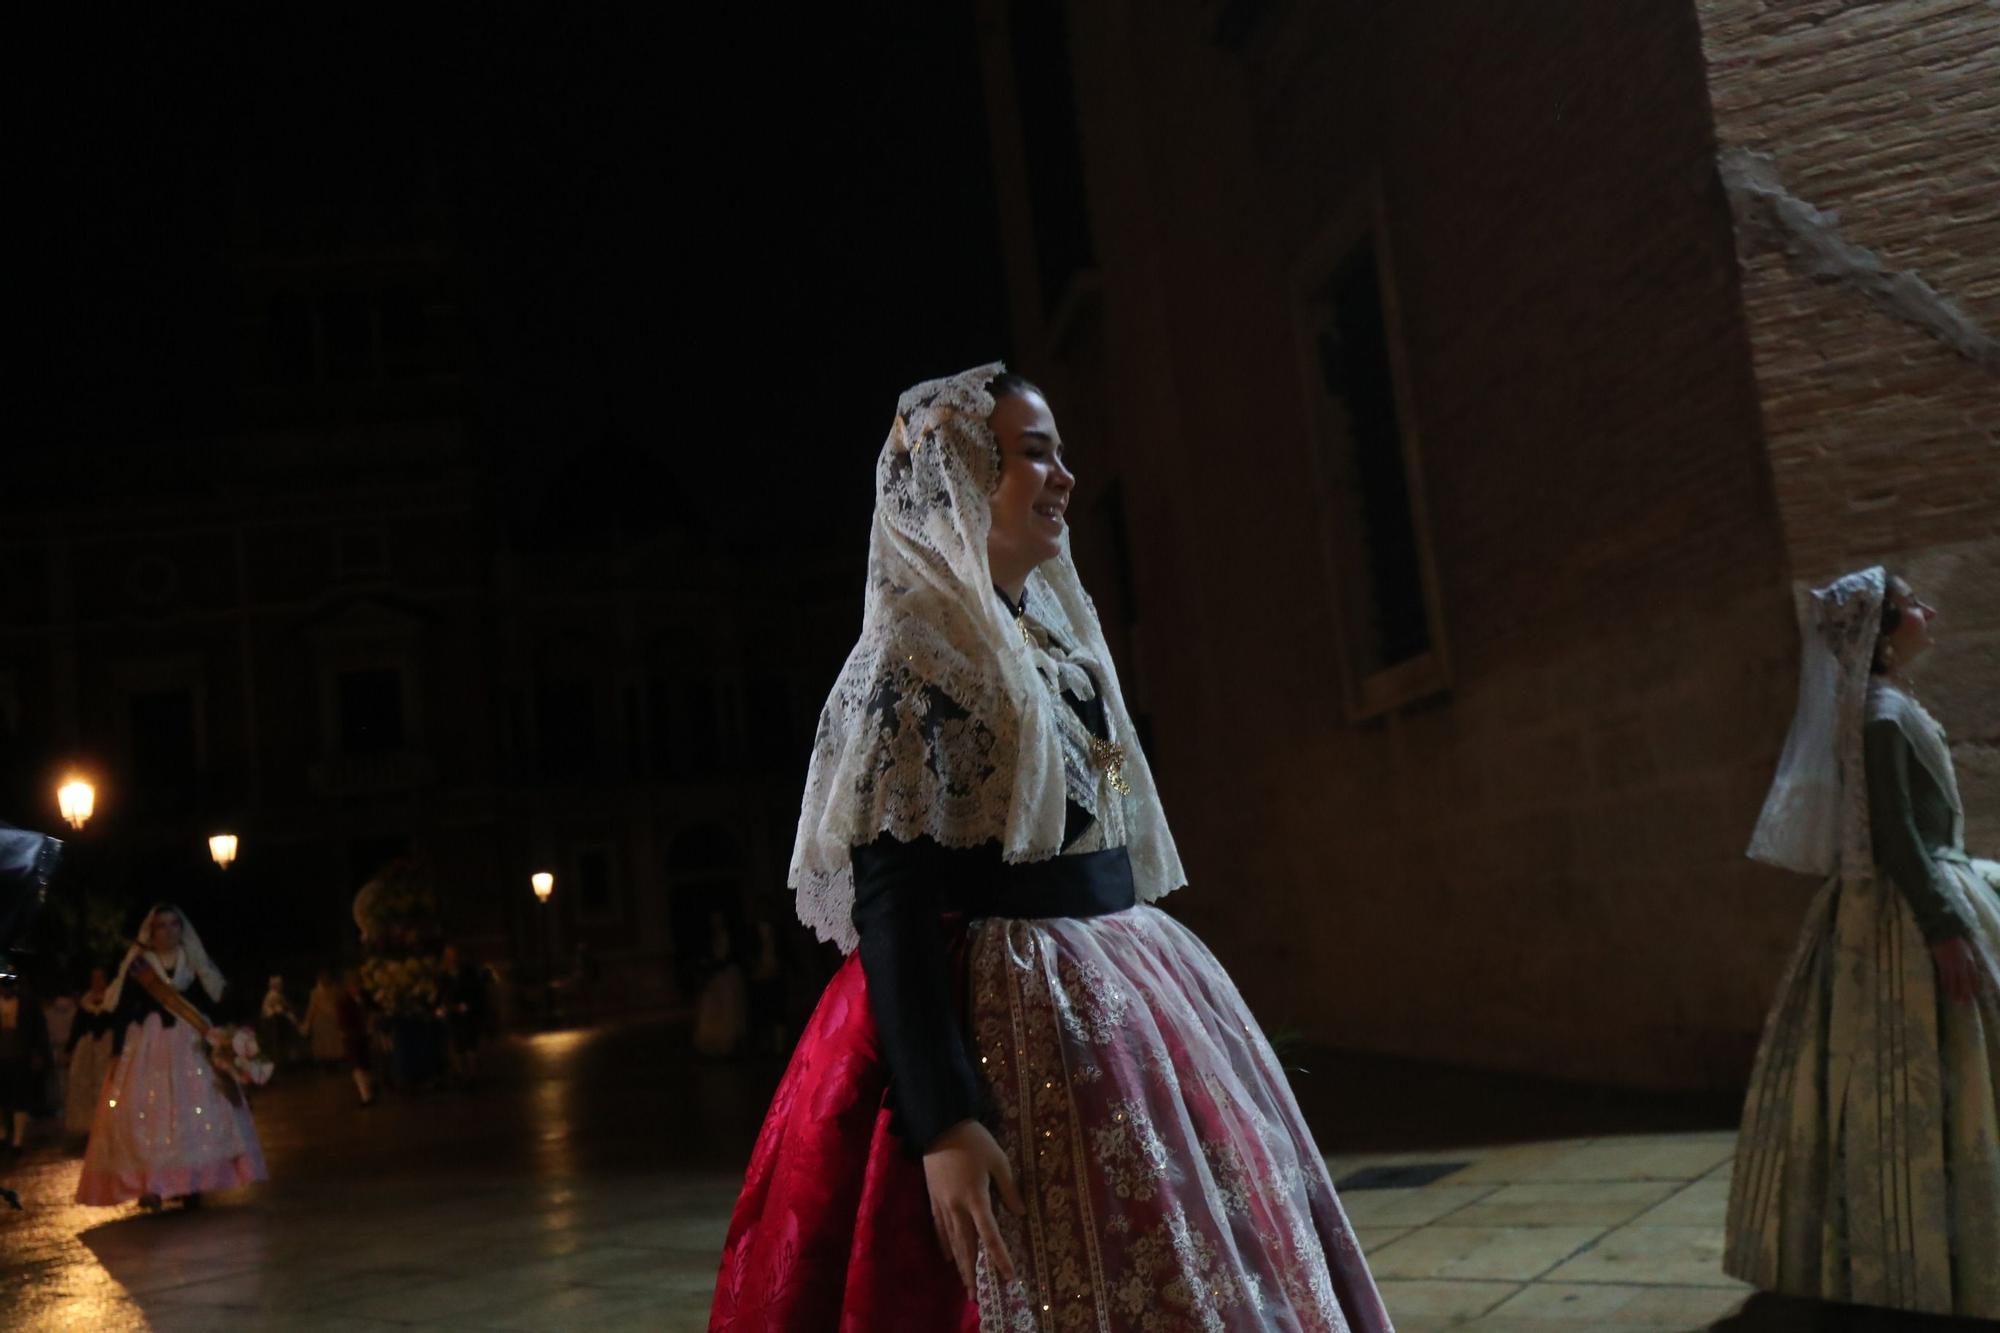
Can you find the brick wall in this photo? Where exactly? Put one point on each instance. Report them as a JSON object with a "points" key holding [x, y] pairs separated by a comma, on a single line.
{"points": [[1884, 441], [1543, 871]]}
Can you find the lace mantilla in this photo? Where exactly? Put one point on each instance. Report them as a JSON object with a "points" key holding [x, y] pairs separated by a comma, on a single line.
{"points": [[1815, 818], [945, 721]]}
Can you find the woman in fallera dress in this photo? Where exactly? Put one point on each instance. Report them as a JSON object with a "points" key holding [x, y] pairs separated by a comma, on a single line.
{"points": [[1868, 1169], [89, 1057], [1029, 1100], [168, 1125]]}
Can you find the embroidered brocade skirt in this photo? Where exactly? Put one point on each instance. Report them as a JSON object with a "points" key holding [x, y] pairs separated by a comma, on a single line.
{"points": [[1868, 1165], [1171, 1183]]}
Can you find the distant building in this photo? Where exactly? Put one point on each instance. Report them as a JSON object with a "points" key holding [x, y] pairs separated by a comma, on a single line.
{"points": [[307, 622]]}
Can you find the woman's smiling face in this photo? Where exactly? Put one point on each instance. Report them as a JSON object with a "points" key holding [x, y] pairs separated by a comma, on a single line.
{"points": [[1030, 504]]}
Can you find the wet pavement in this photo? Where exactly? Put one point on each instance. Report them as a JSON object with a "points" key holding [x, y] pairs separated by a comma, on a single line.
{"points": [[586, 1182]]}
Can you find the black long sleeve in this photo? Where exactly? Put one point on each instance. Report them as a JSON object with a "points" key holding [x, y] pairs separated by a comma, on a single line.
{"points": [[899, 891], [903, 895]]}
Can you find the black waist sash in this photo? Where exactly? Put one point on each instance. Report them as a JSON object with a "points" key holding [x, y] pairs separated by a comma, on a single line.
{"points": [[1084, 884]]}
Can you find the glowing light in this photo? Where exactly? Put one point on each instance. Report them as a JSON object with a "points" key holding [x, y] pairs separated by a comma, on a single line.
{"points": [[223, 848], [558, 1043], [544, 884], [76, 798]]}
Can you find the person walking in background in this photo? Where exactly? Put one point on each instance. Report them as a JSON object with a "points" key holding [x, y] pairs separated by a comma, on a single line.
{"points": [[59, 1015], [351, 1017], [89, 1057], [722, 1012], [25, 1060], [328, 1046], [278, 1027], [462, 1002]]}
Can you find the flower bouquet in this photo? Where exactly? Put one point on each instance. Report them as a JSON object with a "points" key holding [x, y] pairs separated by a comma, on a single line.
{"points": [[232, 1049], [397, 911], [401, 987], [397, 915]]}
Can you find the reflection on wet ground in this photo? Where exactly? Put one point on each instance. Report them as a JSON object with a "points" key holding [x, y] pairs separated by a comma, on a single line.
{"points": [[586, 1183]]}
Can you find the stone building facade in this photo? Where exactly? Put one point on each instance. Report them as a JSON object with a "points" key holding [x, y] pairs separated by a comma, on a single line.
{"points": [[1443, 478], [1862, 142]]}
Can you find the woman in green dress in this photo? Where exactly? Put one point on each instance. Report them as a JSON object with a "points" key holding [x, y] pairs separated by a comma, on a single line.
{"points": [[1868, 1169]]}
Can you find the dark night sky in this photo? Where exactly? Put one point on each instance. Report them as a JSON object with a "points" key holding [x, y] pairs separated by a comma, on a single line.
{"points": [[701, 250]]}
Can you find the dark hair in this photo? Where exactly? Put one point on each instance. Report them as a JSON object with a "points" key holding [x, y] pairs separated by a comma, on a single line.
{"points": [[1007, 382], [1892, 620]]}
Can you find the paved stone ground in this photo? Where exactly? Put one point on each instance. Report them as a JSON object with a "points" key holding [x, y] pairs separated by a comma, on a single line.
{"points": [[586, 1182]]}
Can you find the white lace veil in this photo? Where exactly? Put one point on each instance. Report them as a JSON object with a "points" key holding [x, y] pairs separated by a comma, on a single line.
{"points": [[1815, 819], [940, 722], [196, 956]]}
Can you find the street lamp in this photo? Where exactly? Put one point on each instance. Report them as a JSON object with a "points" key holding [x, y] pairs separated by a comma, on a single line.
{"points": [[76, 798], [544, 885], [222, 847]]}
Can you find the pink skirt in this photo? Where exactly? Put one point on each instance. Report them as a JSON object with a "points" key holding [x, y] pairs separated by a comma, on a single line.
{"points": [[1171, 1184], [163, 1125]]}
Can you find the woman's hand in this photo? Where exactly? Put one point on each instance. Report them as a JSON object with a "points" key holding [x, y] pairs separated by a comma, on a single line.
{"points": [[1958, 971], [962, 1169]]}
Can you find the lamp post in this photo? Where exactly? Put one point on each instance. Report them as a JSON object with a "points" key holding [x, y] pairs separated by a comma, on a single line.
{"points": [[545, 886], [222, 848], [76, 799]]}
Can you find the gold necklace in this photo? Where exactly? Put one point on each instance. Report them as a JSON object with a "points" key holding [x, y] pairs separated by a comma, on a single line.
{"points": [[1109, 759]]}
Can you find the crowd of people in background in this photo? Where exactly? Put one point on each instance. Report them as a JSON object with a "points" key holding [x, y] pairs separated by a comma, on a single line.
{"points": [[66, 1037], [53, 1057], [58, 1046]]}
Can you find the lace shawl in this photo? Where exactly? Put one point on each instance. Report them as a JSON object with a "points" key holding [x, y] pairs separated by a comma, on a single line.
{"points": [[944, 721]]}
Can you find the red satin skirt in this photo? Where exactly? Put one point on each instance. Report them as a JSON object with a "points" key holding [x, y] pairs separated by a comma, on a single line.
{"points": [[833, 1229]]}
